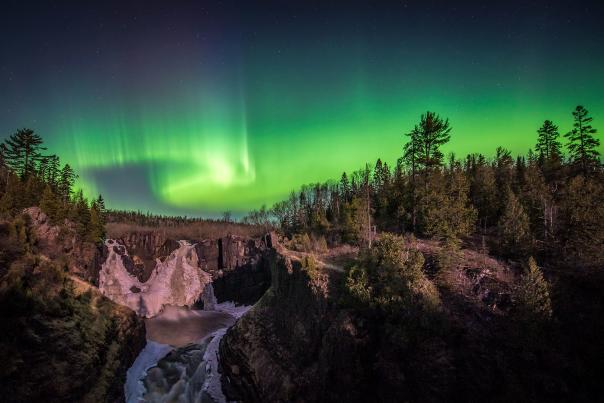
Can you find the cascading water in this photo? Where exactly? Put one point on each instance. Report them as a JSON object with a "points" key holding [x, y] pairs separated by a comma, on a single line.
{"points": [[180, 360], [177, 281]]}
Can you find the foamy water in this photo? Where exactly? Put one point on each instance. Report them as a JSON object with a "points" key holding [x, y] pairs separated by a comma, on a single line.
{"points": [[176, 327]]}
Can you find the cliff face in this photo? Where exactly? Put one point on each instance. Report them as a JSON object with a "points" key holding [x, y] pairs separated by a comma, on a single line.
{"points": [[61, 340], [243, 273], [82, 258], [66, 347], [305, 341], [294, 345], [237, 266]]}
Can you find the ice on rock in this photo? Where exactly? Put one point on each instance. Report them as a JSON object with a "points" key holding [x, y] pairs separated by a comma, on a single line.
{"points": [[178, 281]]}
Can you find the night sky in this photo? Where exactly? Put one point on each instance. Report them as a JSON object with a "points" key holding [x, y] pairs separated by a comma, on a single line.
{"points": [[201, 107]]}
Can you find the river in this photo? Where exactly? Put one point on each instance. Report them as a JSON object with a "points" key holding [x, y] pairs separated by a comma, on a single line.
{"points": [[180, 360]]}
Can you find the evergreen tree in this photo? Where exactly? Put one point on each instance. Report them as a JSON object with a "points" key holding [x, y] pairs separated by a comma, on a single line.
{"points": [[548, 145], [96, 229], [532, 295], [79, 213], [581, 217], [432, 133], [444, 209], [32, 191], [66, 181], [411, 158], [49, 204], [483, 190], [23, 152], [53, 171], [513, 227], [13, 198], [344, 187], [538, 200], [582, 145]]}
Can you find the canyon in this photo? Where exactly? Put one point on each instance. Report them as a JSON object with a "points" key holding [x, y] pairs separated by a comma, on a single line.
{"points": [[188, 293], [255, 320]]}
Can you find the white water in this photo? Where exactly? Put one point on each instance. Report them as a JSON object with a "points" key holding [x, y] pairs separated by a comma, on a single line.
{"points": [[174, 285], [204, 384], [147, 358]]}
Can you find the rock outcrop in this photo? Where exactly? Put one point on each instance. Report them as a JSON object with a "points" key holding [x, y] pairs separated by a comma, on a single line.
{"points": [[294, 344], [62, 340], [83, 258], [243, 272]]}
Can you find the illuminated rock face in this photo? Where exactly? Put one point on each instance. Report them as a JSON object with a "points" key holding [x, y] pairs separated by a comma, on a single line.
{"points": [[177, 281]]}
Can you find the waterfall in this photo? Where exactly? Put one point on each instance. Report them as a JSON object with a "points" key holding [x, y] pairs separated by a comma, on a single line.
{"points": [[208, 298], [177, 281]]}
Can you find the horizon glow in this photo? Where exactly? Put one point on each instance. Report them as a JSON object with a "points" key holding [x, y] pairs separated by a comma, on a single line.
{"points": [[228, 112]]}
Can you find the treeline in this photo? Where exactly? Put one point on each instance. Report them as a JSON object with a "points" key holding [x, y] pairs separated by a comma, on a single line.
{"points": [[153, 220], [29, 178], [547, 203]]}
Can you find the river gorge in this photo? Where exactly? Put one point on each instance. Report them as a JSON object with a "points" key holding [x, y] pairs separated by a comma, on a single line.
{"points": [[183, 319]]}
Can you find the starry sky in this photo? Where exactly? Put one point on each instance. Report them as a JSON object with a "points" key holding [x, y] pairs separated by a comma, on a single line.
{"points": [[201, 107]]}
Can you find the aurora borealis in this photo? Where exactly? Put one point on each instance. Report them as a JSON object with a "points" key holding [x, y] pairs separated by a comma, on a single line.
{"points": [[201, 107]]}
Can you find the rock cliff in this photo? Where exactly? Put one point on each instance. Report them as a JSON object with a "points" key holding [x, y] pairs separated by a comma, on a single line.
{"points": [[62, 340], [82, 258], [305, 342], [294, 344]]}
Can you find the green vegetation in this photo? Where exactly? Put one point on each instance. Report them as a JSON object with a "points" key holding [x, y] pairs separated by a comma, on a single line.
{"points": [[61, 339], [532, 295], [30, 178], [544, 204], [389, 277]]}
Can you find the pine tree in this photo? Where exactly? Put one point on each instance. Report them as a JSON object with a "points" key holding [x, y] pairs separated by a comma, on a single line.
{"points": [[49, 204], [80, 213], [32, 191], [432, 133], [548, 145], [96, 229], [66, 181], [532, 296], [582, 145], [53, 171], [100, 203], [411, 158], [23, 152], [513, 227], [483, 189], [581, 233], [345, 187], [13, 198]]}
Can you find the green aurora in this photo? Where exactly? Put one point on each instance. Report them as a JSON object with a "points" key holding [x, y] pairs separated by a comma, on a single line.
{"points": [[232, 124]]}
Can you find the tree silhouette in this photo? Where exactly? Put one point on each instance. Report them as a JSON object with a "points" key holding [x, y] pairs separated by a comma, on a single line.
{"points": [[431, 133], [548, 146], [22, 152], [582, 144]]}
